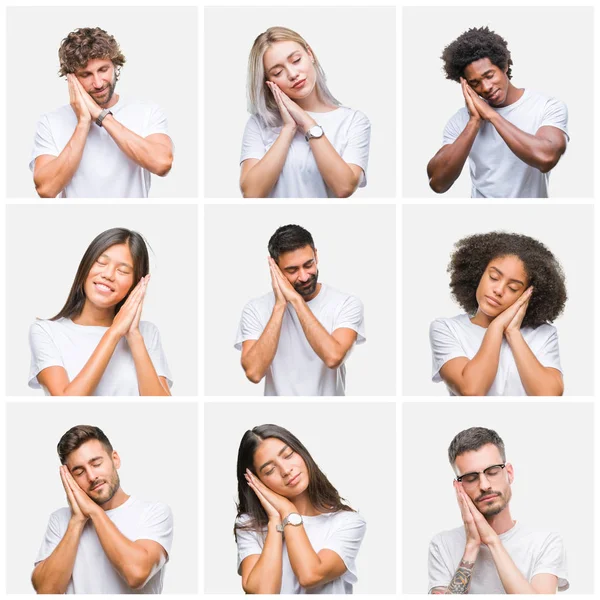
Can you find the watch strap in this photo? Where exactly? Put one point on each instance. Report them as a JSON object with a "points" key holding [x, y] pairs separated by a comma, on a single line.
{"points": [[102, 115], [309, 136]]}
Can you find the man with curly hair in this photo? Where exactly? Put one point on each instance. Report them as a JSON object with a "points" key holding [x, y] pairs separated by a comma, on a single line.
{"points": [[512, 136], [490, 553], [98, 145], [511, 287]]}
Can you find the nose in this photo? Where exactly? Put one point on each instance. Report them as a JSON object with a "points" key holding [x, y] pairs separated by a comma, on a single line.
{"points": [[303, 276], [108, 272], [484, 483], [292, 73], [486, 85], [98, 83]]}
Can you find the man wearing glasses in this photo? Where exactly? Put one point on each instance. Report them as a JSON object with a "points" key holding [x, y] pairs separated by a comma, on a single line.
{"points": [[491, 553]]}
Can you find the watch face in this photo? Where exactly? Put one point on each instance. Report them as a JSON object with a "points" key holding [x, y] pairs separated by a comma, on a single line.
{"points": [[316, 131], [294, 519]]}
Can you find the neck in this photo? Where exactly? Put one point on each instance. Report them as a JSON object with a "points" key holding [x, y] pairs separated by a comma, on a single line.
{"points": [[481, 319], [95, 316], [512, 95], [304, 506], [313, 295], [501, 522], [312, 103], [111, 102], [117, 500]]}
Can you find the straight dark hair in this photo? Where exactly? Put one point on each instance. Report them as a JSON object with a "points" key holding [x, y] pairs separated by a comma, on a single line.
{"points": [[79, 435], [471, 440], [118, 235], [323, 496], [289, 238]]}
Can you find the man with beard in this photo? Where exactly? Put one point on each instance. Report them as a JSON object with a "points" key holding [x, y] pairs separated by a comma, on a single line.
{"points": [[106, 542], [98, 145], [300, 334], [491, 553]]}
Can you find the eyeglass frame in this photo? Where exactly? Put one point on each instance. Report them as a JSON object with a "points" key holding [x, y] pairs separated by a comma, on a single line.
{"points": [[460, 477]]}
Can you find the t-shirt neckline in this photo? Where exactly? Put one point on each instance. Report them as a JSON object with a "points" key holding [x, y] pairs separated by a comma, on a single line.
{"points": [[503, 109]]}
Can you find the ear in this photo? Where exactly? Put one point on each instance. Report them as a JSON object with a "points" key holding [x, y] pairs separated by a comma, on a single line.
{"points": [[511, 473], [316, 257], [310, 54], [116, 459]]}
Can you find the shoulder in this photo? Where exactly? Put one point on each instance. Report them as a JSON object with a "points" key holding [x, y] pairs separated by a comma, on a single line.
{"points": [[154, 508], [448, 538], [265, 301], [448, 323], [357, 116], [336, 296], [545, 331], [46, 326], [147, 327], [136, 104], [255, 123], [61, 517], [345, 518], [460, 116]]}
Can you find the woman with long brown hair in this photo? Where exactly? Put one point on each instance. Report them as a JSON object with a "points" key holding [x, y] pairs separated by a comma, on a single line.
{"points": [[293, 531], [97, 345]]}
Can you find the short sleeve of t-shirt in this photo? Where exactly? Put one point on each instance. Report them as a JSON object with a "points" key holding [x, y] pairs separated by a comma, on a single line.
{"points": [[51, 539], [440, 573], [345, 541], [156, 524], [444, 347], [44, 353], [156, 352], [352, 316], [248, 542], [43, 141], [157, 122], [454, 127], [253, 145], [556, 115], [251, 326], [553, 560], [356, 151], [549, 355]]}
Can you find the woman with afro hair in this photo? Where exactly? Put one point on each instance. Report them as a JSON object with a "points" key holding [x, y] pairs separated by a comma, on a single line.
{"points": [[511, 288]]}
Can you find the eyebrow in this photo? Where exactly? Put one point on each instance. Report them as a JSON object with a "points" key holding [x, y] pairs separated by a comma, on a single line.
{"points": [[303, 264], [501, 273], [286, 447], [280, 65], [124, 264], [89, 461]]}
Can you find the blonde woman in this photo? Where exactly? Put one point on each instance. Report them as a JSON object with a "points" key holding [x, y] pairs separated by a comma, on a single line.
{"points": [[299, 142]]}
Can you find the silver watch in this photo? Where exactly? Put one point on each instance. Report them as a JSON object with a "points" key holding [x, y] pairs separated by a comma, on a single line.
{"points": [[316, 131], [292, 519], [101, 116]]}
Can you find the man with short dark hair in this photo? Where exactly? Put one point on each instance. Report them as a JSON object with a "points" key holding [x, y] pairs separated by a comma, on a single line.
{"points": [[300, 334], [106, 542], [98, 145], [512, 136], [491, 553]]}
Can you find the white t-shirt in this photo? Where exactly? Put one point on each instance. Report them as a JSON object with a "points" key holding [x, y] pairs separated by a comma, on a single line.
{"points": [[296, 369], [451, 338], [63, 343], [105, 171], [495, 171], [342, 532], [533, 552], [93, 573], [349, 132]]}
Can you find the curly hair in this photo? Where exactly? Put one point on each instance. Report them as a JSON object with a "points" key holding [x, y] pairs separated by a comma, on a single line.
{"points": [[473, 254], [87, 43], [472, 45]]}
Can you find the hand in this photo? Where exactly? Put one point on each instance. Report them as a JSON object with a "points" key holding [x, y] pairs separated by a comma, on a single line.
{"points": [[487, 535], [275, 505], [127, 313], [77, 102], [82, 506], [279, 297], [471, 531], [473, 112], [510, 319], [286, 117], [286, 288], [90, 103], [134, 329], [301, 118], [485, 111]]}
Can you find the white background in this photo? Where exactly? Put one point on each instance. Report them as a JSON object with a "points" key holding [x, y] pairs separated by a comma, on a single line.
{"points": [[157, 463], [551, 49], [356, 251], [356, 48], [550, 445], [359, 461], [428, 242], [44, 247], [161, 67]]}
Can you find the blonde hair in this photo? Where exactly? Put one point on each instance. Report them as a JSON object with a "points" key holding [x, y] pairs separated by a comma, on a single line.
{"points": [[261, 102]]}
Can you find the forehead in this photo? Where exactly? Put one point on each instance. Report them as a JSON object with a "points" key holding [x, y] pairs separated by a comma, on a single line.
{"points": [[267, 450], [478, 460], [94, 64], [86, 452], [278, 52], [511, 267], [477, 68], [119, 253], [295, 258]]}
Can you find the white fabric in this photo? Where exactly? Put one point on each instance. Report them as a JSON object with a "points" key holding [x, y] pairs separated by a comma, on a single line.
{"points": [[341, 532], [93, 573], [533, 552], [495, 171], [104, 171], [349, 132], [296, 369], [451, 338], [63, 343]]}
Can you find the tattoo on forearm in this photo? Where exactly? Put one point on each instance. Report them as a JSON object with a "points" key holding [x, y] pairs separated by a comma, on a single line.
{"points": [[461, 582]]}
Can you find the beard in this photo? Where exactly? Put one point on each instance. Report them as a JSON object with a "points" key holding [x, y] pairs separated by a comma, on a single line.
{"points": [[496, 506], [309, 287], [107, 93], [110, 488]]}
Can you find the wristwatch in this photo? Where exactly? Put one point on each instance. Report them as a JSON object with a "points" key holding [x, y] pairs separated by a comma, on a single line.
{"points": [[316, 131], [101, 116], [292, 519]]}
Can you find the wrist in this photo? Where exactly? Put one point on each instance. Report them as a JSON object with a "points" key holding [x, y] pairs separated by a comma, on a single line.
{"points": [[512, 334], [296, 300], [471, 551], [307, 124], [289, 129], [84, 122], [77, 523], [133, 335], [287, 509]]}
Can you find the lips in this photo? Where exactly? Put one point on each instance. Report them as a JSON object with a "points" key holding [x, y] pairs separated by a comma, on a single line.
{"points": [[299, 84], [103, 288], [492, 301], [294, 480], [99, 92], [97, 486], [494, 97], [489, 497]]}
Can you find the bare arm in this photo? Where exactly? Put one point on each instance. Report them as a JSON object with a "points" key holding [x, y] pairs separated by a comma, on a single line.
{"points": [[149, 383], [261, 573]]}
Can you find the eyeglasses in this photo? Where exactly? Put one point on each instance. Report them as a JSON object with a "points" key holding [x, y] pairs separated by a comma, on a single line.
{"points": [[490, 473]]}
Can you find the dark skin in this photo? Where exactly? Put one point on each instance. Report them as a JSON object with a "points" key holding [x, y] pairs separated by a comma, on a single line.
{"points": [[485, 87]]}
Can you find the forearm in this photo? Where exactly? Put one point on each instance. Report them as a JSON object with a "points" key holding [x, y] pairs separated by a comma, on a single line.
{"points": [[262, 177], [305, 562], [152, 156], [53, 575], [149, 383], [512, 579], [327, 348], [258, 359], [537, 379], [131, 561], [265, 577], [445, 167], [336, 172], [55, 175], [532, 150]]}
